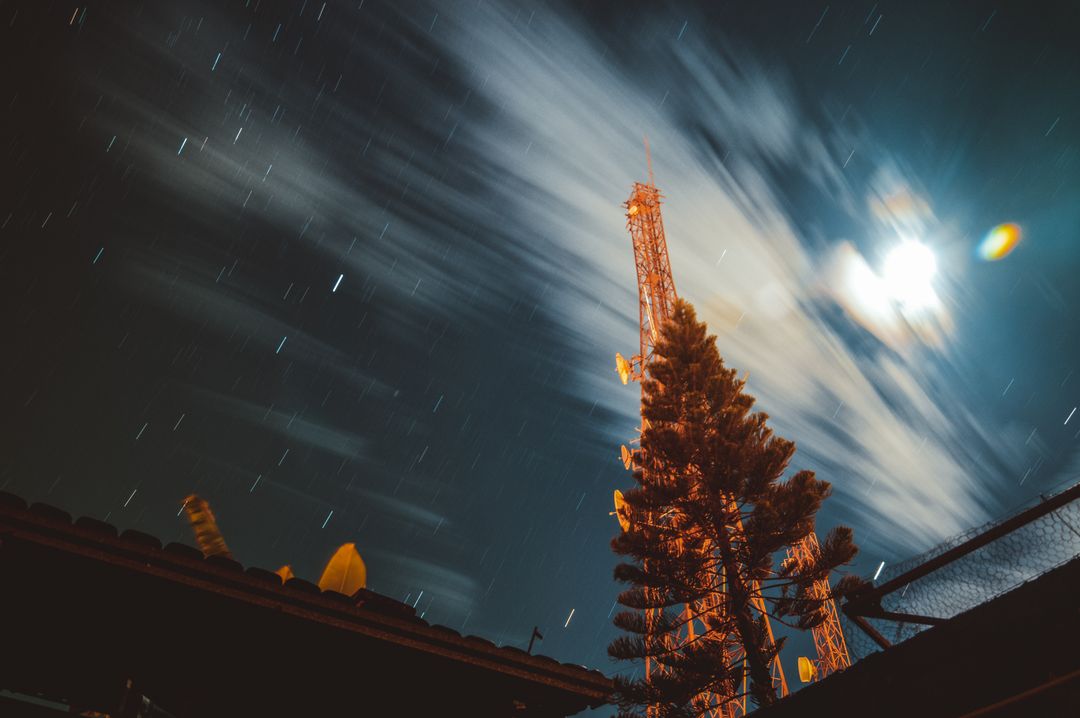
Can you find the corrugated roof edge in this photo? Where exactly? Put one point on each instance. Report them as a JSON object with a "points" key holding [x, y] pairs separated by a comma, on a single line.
{"points": [[397, 620]]}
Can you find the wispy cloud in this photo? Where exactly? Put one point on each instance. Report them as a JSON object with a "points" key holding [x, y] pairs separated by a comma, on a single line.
{"points": [[877, 416], [188, 288], [293, 426], [488, 210]]}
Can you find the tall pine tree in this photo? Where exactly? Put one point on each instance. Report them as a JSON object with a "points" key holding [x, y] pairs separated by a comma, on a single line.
{"points": [[707, 518]]}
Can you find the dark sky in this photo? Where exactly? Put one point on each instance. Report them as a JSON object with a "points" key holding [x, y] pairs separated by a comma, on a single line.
{"points": [[358, 271]]}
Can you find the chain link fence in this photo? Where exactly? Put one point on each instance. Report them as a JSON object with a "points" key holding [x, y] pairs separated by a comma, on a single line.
{"points": [[1018, 556]]}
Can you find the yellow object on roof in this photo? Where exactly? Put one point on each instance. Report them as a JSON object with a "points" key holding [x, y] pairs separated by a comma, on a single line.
{"points": [[345, 572]]}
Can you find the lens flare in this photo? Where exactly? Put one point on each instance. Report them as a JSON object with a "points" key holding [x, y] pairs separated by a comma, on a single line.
{"points": [[999, 242]]}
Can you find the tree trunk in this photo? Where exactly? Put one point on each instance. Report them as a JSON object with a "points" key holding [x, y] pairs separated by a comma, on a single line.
{"points": [[739, 607]]}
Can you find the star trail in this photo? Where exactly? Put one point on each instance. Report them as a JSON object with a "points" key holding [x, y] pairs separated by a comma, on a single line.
{"points": [[357, 271]]}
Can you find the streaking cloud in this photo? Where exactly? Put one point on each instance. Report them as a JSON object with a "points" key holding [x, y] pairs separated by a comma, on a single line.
{"points": [[867, 418]]}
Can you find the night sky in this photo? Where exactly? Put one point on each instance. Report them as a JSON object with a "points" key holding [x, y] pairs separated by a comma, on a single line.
{"points": [[357, 271]]}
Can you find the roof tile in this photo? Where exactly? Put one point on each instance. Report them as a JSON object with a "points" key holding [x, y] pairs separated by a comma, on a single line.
{"points": [[98, 527], [51, 513], [225, 562], [182, 549], [11, 501], [262, 574], [300, 584], [142, 539]]}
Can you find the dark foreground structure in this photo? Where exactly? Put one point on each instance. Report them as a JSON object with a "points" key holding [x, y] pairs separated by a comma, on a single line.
{"points": [[95, 621], [987, 624], [1018, 655]]}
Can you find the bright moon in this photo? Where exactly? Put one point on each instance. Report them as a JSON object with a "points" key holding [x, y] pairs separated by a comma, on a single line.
{"points": [[908, 273]]}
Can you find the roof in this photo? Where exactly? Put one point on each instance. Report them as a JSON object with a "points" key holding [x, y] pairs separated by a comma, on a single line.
{"points": [[1015, 655], [205, 636]]}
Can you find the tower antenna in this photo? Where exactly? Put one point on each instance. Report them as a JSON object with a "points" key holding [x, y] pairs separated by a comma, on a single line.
{"points": [[648, 161]]}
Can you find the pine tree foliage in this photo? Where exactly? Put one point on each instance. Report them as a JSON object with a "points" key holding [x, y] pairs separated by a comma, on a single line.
{"points": [[708, 515]]}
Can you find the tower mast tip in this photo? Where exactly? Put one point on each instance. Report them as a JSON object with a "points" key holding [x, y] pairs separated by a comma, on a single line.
{"points": [[648, 161]]}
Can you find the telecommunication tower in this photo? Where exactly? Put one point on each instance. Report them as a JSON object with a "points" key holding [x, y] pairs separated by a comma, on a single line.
{"points": [[656, 302], [656, 287]]}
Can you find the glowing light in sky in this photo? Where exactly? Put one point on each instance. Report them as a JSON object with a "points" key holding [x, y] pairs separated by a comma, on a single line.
{"points": [[896, 302], [871, 292], [999, 242], [908, 274]]}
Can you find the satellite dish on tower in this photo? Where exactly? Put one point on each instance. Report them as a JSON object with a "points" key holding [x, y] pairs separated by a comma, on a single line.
{"points": [[622, 367], [627, 457], [807, 670], [622, 511]]}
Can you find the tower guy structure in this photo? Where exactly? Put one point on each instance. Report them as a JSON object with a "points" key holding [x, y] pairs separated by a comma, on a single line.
{"points": [[656, 302]]}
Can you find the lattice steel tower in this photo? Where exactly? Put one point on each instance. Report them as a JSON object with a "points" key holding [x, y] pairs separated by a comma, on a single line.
{"points": [[656, 302], [656, 287], [828, 637]]}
